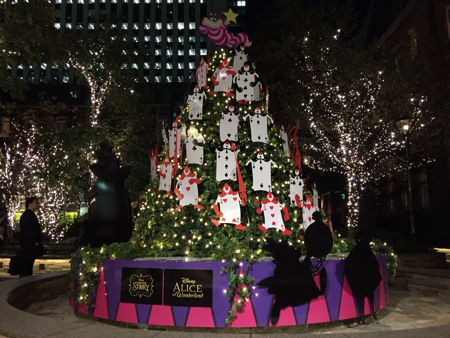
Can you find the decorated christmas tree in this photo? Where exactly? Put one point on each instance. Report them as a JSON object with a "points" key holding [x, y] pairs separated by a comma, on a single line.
{"points": [[223, 181]]}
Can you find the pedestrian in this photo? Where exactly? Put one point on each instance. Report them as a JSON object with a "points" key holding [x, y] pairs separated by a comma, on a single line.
{"points": [[30, 239]]}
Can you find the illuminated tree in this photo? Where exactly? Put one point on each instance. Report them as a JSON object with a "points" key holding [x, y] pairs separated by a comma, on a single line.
{"points": [[27, 37]]}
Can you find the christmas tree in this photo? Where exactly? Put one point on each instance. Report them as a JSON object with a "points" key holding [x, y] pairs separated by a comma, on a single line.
{"points": [[223, 181]]}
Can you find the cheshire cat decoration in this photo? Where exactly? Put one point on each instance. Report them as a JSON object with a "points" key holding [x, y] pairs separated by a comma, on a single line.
{"points": [[110, 213], [216, 29]]}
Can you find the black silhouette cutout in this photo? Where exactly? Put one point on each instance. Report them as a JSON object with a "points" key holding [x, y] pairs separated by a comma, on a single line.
{"points": [[109, 216], [363, 272], [292, 282]]}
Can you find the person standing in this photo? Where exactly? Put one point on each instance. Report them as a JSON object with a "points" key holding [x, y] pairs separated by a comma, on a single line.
{"points": [[30, 239]]}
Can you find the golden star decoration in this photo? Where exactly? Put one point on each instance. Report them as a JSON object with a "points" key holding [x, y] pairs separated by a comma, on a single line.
{"points": [[231, 17]]}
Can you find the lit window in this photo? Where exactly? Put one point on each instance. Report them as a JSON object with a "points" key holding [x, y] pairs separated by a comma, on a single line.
{"points": [[192, 1], [203, 52], [66, 79], [136, 52], [181, 65], [170, 1], [57, 25], [43, 65], [170, 25], [91, 26], [241, 3], [134, 66], [191, 65], [158, 65], [169, 66], [191, 25], [147, 26], [147, 38], [169, 39], [180, 52], [157, 78], [58, 1], [157, 51], [180, 78], [181, 38], [147, 79], [169, 52], [169, 78], [68, 25], [181, 1], [158, 39], [158, 25], [181, 25], [192, 52], [146, 65], [135, 39], [81, 1], [135, 26], [124, 26], [136, 1]]}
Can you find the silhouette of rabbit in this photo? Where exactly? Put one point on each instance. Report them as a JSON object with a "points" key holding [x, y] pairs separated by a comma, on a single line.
{"points": [[293, 282], [109, 216]]}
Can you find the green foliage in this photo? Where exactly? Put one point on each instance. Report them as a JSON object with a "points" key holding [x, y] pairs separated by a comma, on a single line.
{"points": [[239, 284]]}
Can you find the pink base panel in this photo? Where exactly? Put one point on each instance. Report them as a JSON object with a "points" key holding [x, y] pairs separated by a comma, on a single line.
{"points": [[338, 302]]}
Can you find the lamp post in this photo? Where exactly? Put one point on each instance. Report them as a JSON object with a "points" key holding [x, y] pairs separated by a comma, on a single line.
{"points": [[405, 126]]}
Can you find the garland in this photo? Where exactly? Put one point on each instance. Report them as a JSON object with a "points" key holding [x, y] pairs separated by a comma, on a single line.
{"points": [[86, 267], [240, 285]]}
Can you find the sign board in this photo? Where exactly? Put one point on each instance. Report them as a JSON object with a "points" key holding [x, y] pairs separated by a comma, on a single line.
{"points": [[188, 287], [141, 286]]}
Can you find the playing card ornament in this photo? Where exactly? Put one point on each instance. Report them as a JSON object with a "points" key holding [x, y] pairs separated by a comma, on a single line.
{"points": [[153, 164], [195, 101], [226, 163], [258, 125], [272, 214], [164, 136], [202, 74], [284, 137], [228, 208], [175, 139], [165, 173], [229, 121], [315, 195], [308, 209], [245, 80], [187, 189], [216, 29], [240, 57], [194, 146], [296, 185], [261, 172], [223, 79]]}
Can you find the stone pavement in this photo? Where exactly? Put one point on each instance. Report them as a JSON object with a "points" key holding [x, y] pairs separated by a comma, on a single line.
{"points": [[409, 315]]}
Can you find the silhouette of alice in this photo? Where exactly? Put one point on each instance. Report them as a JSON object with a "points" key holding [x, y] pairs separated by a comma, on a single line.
{"points": [[109, 216], [293, 282]]}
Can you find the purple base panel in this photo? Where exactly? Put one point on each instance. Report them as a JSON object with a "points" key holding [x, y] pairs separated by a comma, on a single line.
{"points": [[337, 302]]}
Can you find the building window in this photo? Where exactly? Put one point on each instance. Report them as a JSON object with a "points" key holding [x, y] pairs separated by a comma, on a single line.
{"points": [[448, 20], [5, 131], [180, 78], [191, 65], [413, 39], [169, 78], [158, 25], [191, 25], [181, 25], [424, 188], [203, 52], [169, 66], [157, 78], [180, 52], [158, 65], [241, 3], [181, 65]]}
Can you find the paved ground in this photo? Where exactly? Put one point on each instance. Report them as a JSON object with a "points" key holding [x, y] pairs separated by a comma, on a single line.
{"points": [[409, 315], [406, 311]]}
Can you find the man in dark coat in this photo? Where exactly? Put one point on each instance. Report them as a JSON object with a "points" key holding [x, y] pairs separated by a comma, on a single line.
{"points": [[30, 239]]}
